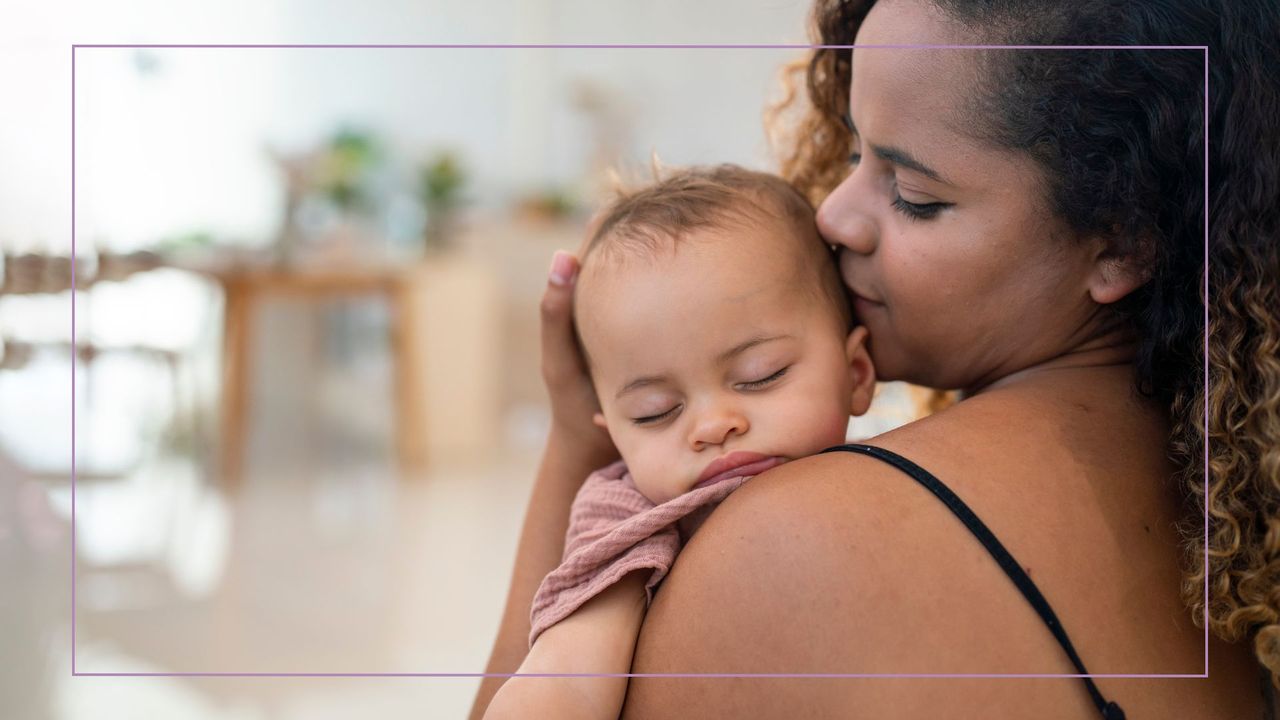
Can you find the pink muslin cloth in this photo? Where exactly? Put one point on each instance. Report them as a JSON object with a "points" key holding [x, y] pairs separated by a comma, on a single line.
{"points": [[613, 530]]}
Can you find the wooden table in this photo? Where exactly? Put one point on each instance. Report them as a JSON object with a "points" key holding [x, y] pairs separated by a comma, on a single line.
{"points": [[245, 287]]}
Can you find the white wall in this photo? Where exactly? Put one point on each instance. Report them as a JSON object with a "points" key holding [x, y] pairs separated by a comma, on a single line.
{"points": [[179, 147]]}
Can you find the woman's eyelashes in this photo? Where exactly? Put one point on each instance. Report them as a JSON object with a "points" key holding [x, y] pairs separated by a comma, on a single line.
{"points": [[918, 211], [913, 211]]}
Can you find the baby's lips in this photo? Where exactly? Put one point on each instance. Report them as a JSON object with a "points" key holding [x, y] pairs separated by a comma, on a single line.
{"points": [[736, 464]]}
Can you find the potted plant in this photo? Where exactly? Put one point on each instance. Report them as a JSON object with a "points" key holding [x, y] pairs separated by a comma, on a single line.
{"points": [[439, 187]]}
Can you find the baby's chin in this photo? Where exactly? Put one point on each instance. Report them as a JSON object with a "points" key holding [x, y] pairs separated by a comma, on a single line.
{"points": [[655, 493], [661, 490]]}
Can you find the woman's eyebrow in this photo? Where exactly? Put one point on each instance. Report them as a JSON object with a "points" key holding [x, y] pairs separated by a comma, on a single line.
{"points": [[902, 157], [897, 156]]}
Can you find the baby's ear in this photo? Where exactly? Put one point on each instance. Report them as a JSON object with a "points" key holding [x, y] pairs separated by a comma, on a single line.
{"points": [[862, 374], [598, 420]]}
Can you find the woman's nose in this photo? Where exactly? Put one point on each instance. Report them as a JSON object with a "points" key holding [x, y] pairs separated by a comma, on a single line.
{"points": [[843, 218], [715, 425]]}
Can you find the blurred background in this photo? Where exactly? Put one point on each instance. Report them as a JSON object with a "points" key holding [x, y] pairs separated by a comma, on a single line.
{"points": [[306, 403]]}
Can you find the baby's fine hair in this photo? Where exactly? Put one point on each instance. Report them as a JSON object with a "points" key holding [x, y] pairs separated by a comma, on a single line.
{"points": [[722, 197]]}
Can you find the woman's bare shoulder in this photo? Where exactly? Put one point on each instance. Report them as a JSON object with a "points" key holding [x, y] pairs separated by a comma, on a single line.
{"points": [[841, 538], [840, 563], [816, 567], [758, 559]]}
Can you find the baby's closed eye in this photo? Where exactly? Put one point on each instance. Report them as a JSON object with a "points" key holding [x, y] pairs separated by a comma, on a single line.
{"points": [[764, 381], [656, 417]]}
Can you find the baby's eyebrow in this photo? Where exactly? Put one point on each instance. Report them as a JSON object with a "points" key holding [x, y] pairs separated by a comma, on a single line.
{"points": [[748, 344], [745, 345], [640, 382]]}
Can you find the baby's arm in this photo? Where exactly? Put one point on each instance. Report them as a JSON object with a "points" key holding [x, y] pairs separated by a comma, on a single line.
{"points": [[598, 637]]}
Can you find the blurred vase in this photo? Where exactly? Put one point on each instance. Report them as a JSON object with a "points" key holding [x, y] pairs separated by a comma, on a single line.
{"points": [[439, 234]]}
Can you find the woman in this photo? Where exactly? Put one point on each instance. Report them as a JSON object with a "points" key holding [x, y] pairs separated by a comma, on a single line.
{"points": [[1025, 227]]}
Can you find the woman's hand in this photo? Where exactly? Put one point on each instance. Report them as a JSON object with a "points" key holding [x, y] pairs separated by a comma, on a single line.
{"points": [[575, 448], [573, 398]]}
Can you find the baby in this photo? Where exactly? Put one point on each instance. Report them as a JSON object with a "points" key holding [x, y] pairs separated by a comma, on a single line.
{"points": [[721, 344]]}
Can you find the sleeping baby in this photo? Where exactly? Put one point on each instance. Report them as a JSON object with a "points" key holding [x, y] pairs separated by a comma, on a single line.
{"points": [[721, 344]]}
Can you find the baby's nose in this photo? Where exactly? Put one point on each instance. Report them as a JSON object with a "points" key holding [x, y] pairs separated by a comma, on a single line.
{"points": [[716, 425]]}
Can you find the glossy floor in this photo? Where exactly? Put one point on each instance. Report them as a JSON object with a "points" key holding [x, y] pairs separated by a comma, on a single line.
{"points": [[323, 561], [346, 570]]}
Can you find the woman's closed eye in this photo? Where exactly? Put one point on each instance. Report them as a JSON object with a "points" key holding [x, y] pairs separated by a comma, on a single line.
{"points": [[764, 381], [918, 211], [913, 211]]}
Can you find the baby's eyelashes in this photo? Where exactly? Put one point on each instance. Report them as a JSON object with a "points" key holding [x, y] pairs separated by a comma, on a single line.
{"points": [[762, 382], [652, 419]]}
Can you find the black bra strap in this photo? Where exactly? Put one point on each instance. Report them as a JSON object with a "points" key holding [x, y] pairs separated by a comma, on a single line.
{"points": [[1110, 710]]}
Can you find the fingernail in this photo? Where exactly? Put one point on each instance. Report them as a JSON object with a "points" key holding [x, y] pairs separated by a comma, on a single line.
{"points": [[562, 268]]}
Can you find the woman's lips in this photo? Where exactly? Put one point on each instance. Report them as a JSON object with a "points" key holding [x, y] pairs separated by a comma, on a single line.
{"points": [[862, 304], [736, 464], [847, 260]]}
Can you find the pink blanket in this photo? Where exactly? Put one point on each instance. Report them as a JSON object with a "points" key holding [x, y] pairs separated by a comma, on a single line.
{"points": [[613, 530]]}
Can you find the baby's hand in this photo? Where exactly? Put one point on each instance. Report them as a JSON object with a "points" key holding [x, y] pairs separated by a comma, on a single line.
{"points": [[599, 638]]}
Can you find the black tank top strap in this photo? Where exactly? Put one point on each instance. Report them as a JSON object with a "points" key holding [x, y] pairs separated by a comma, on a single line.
{"points": [[1011, 567]]}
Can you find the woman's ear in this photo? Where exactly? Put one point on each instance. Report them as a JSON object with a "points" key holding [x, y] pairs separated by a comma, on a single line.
{"points": [[598, 420], [1114, 274], [862, 374]]}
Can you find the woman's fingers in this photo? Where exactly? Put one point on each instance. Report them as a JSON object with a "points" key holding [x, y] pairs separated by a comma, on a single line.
{"points": [[562, 365], [564, 370], [573, 398]]}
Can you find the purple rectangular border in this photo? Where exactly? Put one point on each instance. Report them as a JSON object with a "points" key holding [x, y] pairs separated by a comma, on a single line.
{"points": [[659, 46]]}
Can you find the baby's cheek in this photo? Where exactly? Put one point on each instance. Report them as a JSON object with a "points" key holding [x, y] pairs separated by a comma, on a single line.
{"points": [[826, 427], [835, 430], [651, 470], [816, 424]]}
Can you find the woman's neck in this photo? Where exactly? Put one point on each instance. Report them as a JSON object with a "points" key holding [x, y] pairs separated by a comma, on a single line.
{"points": [[1114, 351]]}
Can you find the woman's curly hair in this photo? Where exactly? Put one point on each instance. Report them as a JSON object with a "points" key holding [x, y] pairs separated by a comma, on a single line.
{"points": [[1120, 136]]}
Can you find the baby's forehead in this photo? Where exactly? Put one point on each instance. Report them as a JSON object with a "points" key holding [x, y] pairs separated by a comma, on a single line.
{"points": [[623, 287], [776, 250], [761, 224]]}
